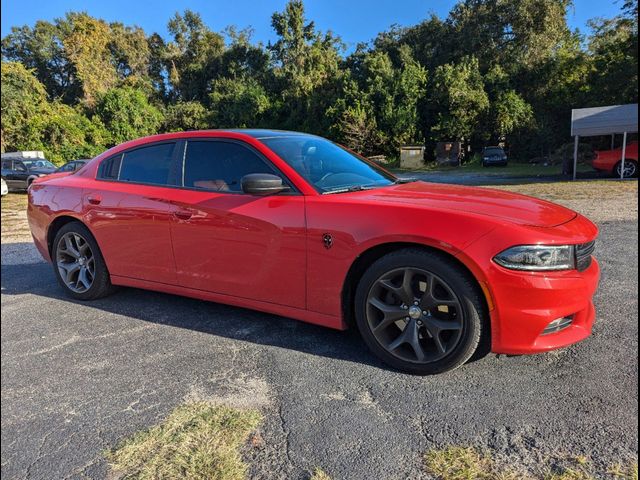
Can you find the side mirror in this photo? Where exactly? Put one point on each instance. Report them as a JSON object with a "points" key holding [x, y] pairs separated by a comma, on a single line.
{"points": [[262, 184]]}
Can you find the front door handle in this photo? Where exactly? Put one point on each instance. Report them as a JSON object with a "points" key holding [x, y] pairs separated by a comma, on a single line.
{"points": [[183, 214]]}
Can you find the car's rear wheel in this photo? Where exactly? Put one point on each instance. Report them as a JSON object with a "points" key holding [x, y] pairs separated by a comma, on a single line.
{"points": [[78, 263], [630, 169], [420, 312]]}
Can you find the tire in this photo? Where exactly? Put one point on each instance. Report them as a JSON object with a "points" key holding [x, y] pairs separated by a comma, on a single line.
{"points": [[94, 265], [459, 330], [631, 169]]}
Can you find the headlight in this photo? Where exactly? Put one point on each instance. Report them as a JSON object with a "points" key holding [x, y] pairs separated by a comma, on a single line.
{"points": [[538, 257]]}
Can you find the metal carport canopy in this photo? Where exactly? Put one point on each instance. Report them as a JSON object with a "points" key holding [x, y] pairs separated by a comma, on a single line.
{"points": [[590, 122]]}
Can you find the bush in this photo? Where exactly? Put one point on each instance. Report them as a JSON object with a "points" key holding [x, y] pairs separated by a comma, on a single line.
{"points": [[127, 114]]}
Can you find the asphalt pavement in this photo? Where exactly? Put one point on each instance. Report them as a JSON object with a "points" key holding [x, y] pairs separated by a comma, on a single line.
{"points": [[77, 378]]}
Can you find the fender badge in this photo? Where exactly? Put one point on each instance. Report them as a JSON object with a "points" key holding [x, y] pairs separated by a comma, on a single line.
{"points": [[328, 240]]}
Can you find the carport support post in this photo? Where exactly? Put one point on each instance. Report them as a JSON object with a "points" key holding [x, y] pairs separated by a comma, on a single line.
{"points": [[624, 151], [575, 157]]}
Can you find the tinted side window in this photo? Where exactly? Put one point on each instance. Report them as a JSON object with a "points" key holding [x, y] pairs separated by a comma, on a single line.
{"points": [[219, 165], [7, 164], [150, 164], [110, 168]]}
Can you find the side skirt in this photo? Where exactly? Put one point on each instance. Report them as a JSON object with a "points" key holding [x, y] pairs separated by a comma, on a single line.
{"points": [[282, 310]]}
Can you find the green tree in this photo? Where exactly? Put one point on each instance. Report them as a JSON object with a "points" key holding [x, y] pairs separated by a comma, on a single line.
{"points": [[185, 116], [458, 99], [41, 49], [65, 133], [130, 50], [189, 56], [306, 71], [305, 58], [23, 98], [127, 114], [237, 103], [357, 128], [614, 51], [511, 112], [512, 33], [87, 47]]}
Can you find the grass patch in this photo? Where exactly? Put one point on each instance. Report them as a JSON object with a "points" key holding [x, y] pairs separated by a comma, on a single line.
{"points": [[624, 472], [198, 440], [319, 474], [463, 463], [468, 463], [512, 169]]}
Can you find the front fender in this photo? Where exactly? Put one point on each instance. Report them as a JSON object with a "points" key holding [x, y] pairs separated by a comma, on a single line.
{"points": [[357, 228]]}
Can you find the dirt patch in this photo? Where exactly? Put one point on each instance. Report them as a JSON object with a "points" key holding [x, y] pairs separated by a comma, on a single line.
{"points": [[600, 201], [14, 218]]}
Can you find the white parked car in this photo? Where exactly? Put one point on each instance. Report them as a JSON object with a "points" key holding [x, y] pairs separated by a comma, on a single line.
{"points": [[4, 189]]}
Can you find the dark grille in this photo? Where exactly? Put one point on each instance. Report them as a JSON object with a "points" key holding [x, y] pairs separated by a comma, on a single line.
{"points": [[583, 255]]}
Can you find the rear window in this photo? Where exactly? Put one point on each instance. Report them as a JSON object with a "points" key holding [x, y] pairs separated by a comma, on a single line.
{"points": [[150, 164], [110, 168]]}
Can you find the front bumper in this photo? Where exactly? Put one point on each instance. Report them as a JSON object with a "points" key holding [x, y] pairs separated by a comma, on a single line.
{"points": [[498, 162], [525, 304]]}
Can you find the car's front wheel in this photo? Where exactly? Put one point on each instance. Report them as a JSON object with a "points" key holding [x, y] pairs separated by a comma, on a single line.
{"points": [[78, 263], [420, 312]]}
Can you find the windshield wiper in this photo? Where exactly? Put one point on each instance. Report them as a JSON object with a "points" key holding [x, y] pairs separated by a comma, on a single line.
{"points": [[399, 180], [353, 188]]}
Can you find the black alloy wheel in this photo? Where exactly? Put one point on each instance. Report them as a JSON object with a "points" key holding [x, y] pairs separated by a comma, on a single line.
{"points": [[420, 312]]}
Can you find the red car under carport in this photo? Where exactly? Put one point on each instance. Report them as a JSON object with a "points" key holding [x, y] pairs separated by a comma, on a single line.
{"points": [[611, 161]]}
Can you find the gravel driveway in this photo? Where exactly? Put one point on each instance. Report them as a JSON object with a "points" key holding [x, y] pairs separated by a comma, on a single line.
{"points": [[79, 377]]}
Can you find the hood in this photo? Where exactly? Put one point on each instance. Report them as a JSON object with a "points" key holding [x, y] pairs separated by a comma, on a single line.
{"points": [[510, 207]]}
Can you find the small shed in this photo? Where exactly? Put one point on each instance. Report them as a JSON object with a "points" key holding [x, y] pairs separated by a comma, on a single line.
{"points": [[610, 120], [412, 156]]}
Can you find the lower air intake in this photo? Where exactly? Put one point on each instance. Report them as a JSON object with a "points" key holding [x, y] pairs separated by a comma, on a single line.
{"points": [[558, 325]]}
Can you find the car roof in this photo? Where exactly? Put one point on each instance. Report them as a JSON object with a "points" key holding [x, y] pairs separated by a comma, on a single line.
{"points": [[262, 133]]}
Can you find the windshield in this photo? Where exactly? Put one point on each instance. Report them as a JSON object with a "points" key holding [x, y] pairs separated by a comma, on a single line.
{"points": [[38, 164], [327, 166], [493, 151]]}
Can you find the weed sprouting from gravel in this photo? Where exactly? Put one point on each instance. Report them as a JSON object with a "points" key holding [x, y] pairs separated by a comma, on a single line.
{"points": [[319, 474]]}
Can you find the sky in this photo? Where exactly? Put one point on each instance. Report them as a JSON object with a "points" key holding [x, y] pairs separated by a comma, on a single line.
{"points": [[353, 20]]}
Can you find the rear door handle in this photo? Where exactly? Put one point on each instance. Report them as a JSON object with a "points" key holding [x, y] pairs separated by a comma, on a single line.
{"points": [[183, 214], [94, 199]]}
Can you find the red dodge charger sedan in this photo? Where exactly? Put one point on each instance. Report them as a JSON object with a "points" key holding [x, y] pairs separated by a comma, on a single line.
{"points": [[295, 225]]}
